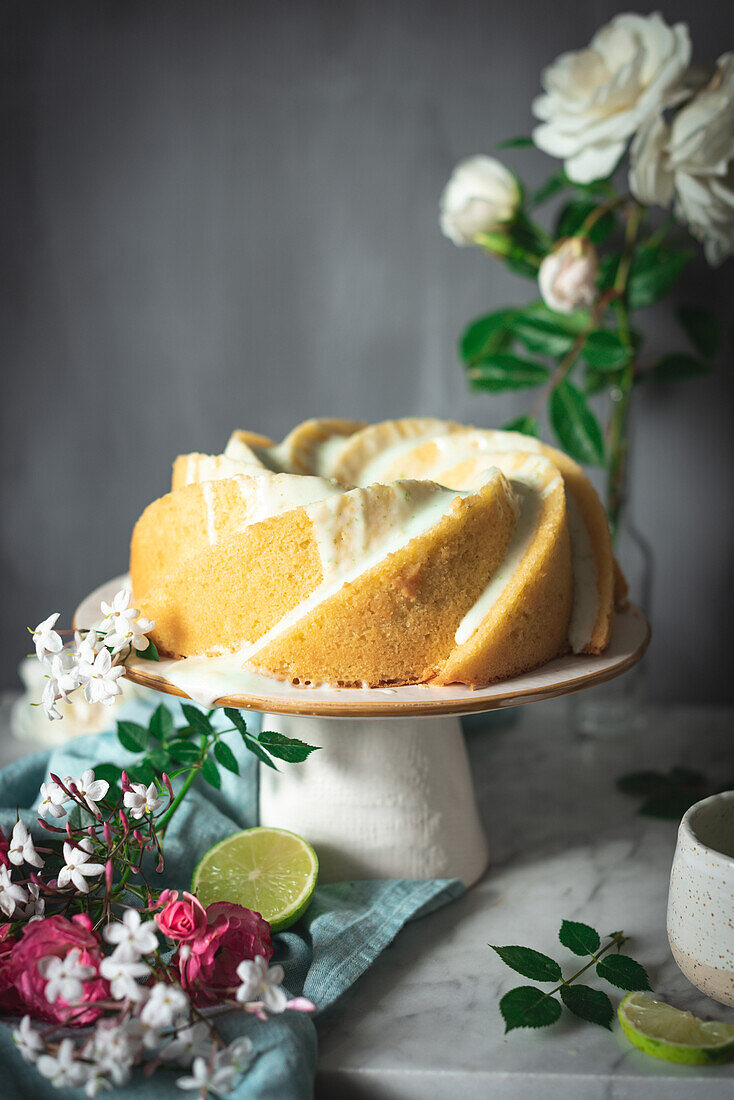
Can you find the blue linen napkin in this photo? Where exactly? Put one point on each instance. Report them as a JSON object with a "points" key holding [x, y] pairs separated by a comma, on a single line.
{"points": [[346, 927]]}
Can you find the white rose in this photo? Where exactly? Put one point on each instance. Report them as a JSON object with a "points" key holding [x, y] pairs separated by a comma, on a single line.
{"points": [[690, 162], [567, 276], [482, 196], [598, 97]]}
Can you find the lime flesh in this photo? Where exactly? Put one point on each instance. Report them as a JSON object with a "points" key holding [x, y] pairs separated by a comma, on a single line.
{"points": [[676, 1036], [271, 871]]}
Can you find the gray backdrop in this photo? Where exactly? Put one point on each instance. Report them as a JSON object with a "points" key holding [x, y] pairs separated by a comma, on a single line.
{"points": [[225, 214]]}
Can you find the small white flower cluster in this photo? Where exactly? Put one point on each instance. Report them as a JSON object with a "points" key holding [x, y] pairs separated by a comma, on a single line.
{"points": [[95, 658], [54, 798], [21, 902], [155, 1023]]}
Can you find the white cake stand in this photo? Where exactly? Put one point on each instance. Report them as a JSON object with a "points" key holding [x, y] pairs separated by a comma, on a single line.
{"points": [[390, 795]]}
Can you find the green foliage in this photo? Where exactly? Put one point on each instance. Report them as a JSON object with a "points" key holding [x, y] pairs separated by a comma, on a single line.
{"points": [[577, 212], [487, 336], [527, 1006], [575, 425], [675, 367], [668, 795], [653, 273], [605, 350], [527, 425], [542, 335], [530, 963], [701, 328], [514, 143], [501, 372], [582, 939], [285, 748], [551, 187], [150, 653]]}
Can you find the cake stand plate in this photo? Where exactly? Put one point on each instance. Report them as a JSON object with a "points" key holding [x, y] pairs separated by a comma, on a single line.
{"points": [[390, 794]]}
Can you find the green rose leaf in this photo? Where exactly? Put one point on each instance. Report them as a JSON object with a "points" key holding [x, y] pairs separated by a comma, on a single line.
{"points": [[604, 350], [150, 653], [542, 335], [676, 367], [237, 719], [257, 750], [653, 272], [184, 752], [514, 143], [487, 335], [669, 806], [498, 373], [527, 1006], [555, 183], [575, 323], [623, 972], [132, 736], [575, 425], [588, 1004], [575, 213], [161, 723], [526, 425], [582, 939], [197, 719], [642, 784], [285, 748], [141, 773], [226, 757], [701, 328], [210, 773], [530, 963], [159, 758]]}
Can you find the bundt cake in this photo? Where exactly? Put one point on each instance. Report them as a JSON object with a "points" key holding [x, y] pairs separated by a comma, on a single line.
{"points": [[403, 552]]}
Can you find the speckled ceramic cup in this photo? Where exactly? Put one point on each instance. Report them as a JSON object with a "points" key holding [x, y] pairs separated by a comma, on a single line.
{"points": [[701, 898]]}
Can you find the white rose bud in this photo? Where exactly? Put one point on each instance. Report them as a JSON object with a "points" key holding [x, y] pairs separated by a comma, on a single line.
{"points": [[567, 276], [482, 196]]}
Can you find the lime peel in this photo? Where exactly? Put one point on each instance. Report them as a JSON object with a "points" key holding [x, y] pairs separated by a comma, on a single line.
{"points": [[659, 1029], [272, 871]]}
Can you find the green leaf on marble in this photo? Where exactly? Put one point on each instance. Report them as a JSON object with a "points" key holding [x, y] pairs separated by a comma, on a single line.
{"points": [[527, 1006], [588, 1004], [530, 963], [582, 939], [624, 972]]}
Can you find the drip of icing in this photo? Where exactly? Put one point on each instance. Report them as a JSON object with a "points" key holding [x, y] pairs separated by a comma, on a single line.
{"points": [[256, 456], [585, 609], [383, 452], [211, 526], [326, 456], [272, 494], [525, 528]]}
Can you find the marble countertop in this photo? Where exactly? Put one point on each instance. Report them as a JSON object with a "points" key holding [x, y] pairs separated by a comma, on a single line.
{"points": [[564, 843]]}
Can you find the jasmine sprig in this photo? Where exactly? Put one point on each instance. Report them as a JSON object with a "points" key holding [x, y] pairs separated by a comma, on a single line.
{"points": [[528, 1006]]}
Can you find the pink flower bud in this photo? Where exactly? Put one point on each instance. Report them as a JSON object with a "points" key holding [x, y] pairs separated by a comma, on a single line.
{"points": [[49, 828], [91, 832], [125, 782], [139, 837], [107, 833], [124, 822], [168, 785], [108, 872]]}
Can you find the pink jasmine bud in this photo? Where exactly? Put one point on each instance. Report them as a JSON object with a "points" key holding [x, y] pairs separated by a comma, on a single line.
{"points": [[124, 822], [139, 837], [108, 872], [55, 779], [160, 864], [107, 833], [91, 832], [49, 828], [69, 832], [124, 782], [168, 785]]}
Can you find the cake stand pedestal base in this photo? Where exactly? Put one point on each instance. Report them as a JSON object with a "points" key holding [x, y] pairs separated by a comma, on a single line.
{"points": [[383, 798]]}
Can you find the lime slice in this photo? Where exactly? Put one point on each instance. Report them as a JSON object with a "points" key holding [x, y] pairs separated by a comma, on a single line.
{"points": [[271, 871], [666, 1032]]}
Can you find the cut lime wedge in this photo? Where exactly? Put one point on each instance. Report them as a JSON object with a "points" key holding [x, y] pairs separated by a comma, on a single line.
{"points": [[676, 1036], [271, 871]]}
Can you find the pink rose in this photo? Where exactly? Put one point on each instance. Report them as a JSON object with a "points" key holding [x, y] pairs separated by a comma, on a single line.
{"points": [[9, 999], [57, 936], [208, 964], [183, 920]]}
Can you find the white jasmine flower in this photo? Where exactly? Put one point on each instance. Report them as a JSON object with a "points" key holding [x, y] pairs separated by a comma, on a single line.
{"points": [[65, 977], [36, 906], [216, 1079], [11, 895], [141, 800], [164, 1006], [88, 647], [188, 1043], [100, 678], [77, 868], [28, 1041], [120, 603], [567, 276], [132, 937], [96, 1084], [238, 1053], [64, 671], [121, 974], [262, 983], [50, 694], [52, 800], [22, 848], [45, 638], [596, 98], [91, 790], [482, 196], [63, 1069], [114, 1048], [690, 163], [129, 633]]}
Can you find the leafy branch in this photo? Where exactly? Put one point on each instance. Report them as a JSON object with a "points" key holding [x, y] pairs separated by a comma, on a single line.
{"points": [[667, 795], [528, 1006], [194, 749]]}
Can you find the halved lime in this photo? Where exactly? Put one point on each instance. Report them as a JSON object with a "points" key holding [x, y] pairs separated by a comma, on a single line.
{"points": [[676, 1036], [271, 871]]}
